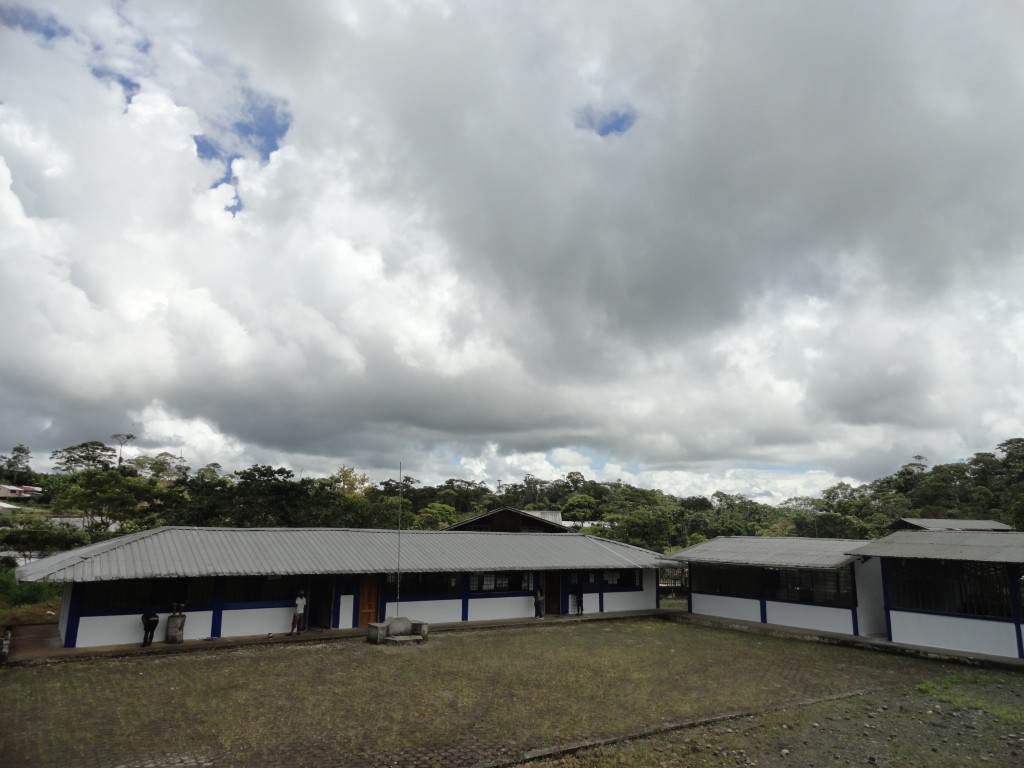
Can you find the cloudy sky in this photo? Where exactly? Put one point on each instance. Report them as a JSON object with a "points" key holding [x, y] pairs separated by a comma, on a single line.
{"points": [[696, 246]]}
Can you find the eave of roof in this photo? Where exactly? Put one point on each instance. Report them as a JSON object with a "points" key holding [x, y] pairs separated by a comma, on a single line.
{"points": [[769, 551], [951, 524], [173, 552], [976, 546]]}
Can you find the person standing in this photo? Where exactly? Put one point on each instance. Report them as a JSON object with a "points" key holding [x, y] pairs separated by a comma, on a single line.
{"points": [[299, 614], [150, 621], [538, 604], [577, 595]]}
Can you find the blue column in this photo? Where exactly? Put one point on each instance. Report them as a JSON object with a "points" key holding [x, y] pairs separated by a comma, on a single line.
{"points": [[74, 614], [218, 607], [885, 599], [1013, 576], [336, 584]]}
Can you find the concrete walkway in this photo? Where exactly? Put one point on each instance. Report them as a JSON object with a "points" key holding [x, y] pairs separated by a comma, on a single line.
{"points": [[39, 644]]}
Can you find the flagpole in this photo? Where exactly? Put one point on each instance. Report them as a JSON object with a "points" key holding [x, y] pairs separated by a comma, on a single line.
{"points": [[398, 581]]}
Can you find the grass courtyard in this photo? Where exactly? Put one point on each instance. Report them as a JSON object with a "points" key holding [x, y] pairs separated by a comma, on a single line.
{"points": [[462, 699]]}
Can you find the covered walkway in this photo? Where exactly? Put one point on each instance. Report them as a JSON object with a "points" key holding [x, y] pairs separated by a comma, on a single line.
{"points": [[41, 643]]}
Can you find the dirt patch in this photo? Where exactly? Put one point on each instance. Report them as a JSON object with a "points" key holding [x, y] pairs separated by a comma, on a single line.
{"points": [[972, 718]]}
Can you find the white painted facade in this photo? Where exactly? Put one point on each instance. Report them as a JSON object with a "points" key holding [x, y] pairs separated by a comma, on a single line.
{"points": [[820, 618], [491, 608], [123, 630], [430, 611], [252, 621], [870, 610], [126, 629], [992, 638], [741, 608], [870, 597], [630, 601]]}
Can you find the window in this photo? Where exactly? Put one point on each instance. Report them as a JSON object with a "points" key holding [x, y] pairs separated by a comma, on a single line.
{"points": [[421, 584], [967, 588], [145, 593], [259, 589], [735, 581], [622, 578], [107, 595], [501, 581], [821, 586]]}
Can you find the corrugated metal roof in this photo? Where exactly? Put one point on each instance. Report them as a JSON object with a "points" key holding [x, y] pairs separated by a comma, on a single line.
{"points": [[777, 552], [947, 524], [177, 551], [981, 547]]}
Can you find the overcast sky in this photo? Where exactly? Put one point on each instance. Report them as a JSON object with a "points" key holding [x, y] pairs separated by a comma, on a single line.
{"points": [[696, 246]]}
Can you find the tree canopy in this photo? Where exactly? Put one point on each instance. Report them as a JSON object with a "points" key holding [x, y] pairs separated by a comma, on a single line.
{"points": [[147, 491]]}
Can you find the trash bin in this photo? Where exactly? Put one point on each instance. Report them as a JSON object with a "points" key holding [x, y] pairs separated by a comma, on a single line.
{"points": [[176, 626]]}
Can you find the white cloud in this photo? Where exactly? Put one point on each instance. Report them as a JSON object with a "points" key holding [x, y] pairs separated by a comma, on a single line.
{"points": [[796, 264]]}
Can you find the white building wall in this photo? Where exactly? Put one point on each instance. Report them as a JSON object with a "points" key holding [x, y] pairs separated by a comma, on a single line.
{"points": [[346, 604], [632, 601], [820, 618], [870, 597], [430, 611], [591, 603], [252, 621], [125, 630], [726, 607], [994, 638], [488, 608]]}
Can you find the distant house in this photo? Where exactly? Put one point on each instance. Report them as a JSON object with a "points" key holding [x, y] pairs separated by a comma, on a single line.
{"points": [[511, 520], [794, 582], [241, 582], [956, 590], [948, 524], [7, 509], [11, 492]]}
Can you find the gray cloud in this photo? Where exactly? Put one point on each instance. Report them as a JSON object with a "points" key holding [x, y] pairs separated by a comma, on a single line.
{"points": [[792, 260]]}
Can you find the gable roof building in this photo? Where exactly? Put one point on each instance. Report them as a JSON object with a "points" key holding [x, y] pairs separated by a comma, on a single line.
{"points": [[512, 520], [959, 590], [243, 581], [811, 584]]}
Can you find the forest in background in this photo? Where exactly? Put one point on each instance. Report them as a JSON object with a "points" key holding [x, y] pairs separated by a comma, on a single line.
{"points": [[94, 495]]}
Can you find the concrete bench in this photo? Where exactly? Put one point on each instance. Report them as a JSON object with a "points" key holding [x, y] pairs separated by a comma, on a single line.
{"points": [[397, 631]]}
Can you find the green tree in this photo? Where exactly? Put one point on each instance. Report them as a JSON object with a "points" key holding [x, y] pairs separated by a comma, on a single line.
{"points": [[88, 455], [434, 517], [34, 535], [106, 496], [265, 497], [829, 525], [16, 468], [164, 467], [349, 482], [648, 527], [580, 507]]}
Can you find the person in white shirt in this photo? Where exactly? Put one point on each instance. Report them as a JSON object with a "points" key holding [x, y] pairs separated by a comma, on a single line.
{"points": [[300, 611]]}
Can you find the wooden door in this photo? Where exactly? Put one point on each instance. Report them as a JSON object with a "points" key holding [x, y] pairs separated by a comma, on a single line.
{"points": [[369, 598]]}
